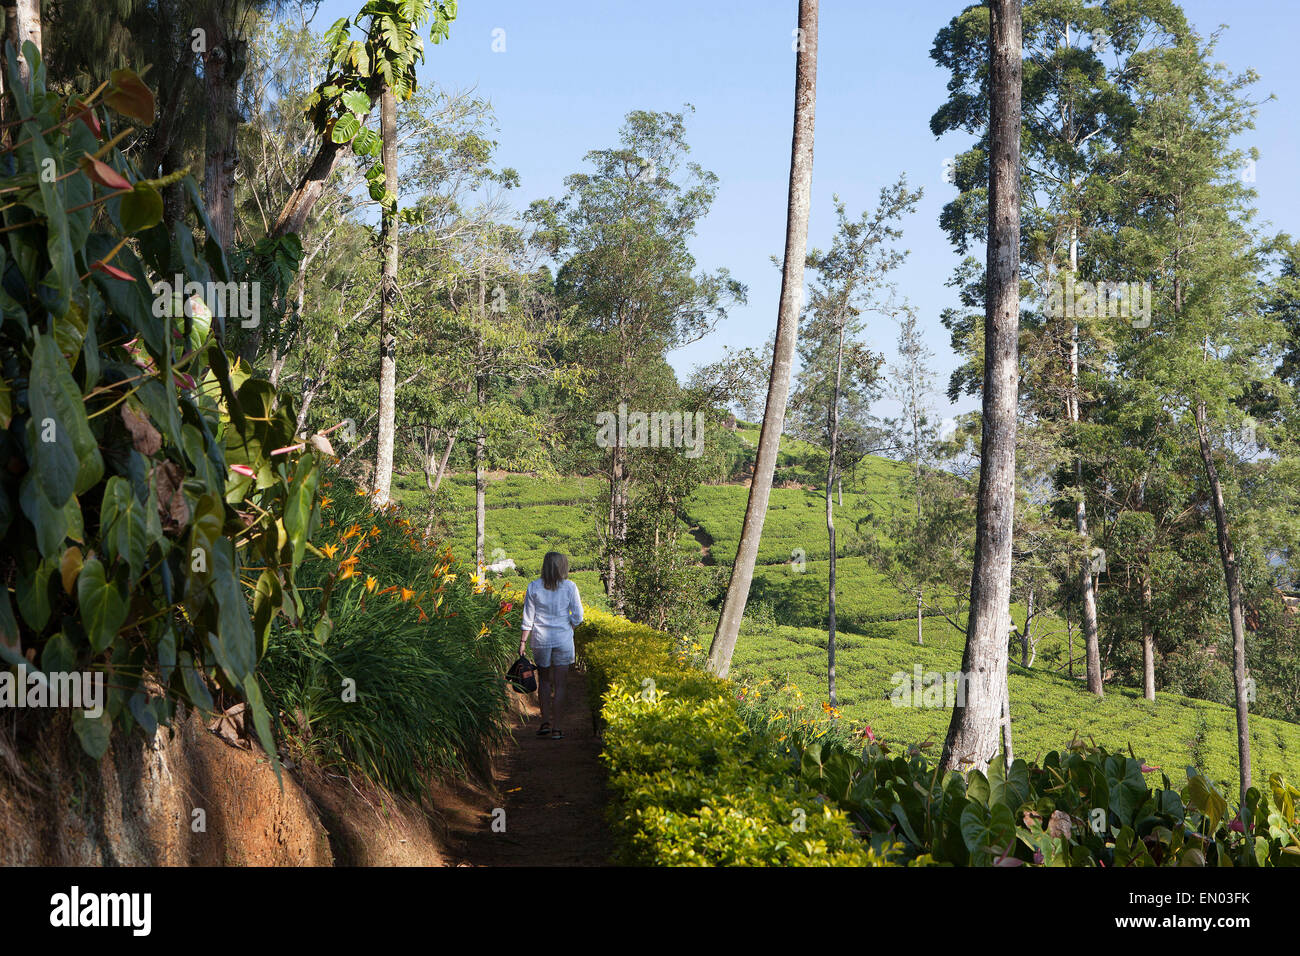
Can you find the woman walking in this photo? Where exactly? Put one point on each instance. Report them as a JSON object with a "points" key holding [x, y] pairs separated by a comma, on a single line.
{"points": [[552, 609]]}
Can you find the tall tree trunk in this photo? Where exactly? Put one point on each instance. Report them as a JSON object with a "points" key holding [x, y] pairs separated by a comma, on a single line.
{"points": [[973, 732], [222, 64], [787, 328], [1026, 638], [1087, 593], [1236, 614], [1007, 747], [297, 207], [480, 479], [480, 437], [442, 465], [1148, 643], [23, 24], [387, 300], [830, 518], [920, 605]]}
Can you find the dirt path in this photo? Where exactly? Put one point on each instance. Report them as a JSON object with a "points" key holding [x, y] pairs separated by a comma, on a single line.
{"points": [[553, 794]]}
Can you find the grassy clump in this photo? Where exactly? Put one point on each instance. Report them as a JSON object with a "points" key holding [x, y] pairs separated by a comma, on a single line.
{"points": [[394, 671]]}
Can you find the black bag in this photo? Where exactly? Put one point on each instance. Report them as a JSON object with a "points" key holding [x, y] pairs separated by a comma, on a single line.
{"points": [[523, 675]]}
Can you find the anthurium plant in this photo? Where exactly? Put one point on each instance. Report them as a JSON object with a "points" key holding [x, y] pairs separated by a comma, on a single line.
{"points": [[148, 487]]}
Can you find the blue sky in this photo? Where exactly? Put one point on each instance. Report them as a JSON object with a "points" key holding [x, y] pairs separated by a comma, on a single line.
{"points": [[570, 71]]}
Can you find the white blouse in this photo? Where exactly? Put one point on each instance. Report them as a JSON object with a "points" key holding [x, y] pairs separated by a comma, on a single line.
{"points": [[551, 615]]}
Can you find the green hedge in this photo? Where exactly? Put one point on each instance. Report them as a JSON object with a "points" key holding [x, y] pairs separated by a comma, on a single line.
{"points": [[692, 784]]}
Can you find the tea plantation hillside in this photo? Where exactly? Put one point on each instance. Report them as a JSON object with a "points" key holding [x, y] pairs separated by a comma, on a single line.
{"points": [[788, 665], [782, 650]]}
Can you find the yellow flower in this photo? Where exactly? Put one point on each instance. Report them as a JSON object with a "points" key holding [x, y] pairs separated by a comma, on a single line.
{"points": [[329, 550], [352, 532], [374, 531], [451, 577], [349, 571], [371, 583], [482, 630], [362, 493]]}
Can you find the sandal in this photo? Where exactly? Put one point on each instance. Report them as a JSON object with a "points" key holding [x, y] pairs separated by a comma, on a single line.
{"points": [[544, 730], [557, 734]]}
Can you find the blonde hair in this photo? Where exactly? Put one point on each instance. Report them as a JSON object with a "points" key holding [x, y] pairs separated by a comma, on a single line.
{"points": [[555, 568]]}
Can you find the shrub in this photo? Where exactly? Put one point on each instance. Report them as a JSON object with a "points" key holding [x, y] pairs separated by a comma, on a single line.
{"points": [[692, 784]]}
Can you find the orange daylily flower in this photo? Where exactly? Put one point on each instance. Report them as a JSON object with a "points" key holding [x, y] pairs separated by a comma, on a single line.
{"points": [[349, 571], [374, 531], [407, 594], [371, 583], [330, 550], [326, 501], [352, 532]]}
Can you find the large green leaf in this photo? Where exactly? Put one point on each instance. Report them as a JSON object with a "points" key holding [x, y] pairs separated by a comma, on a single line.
{"points": [[56, 290], [234, 645], [142, 208], [66, 453], [93, 732], [103, 606], [298, 505], [345, 127], [53, 525], [124, 525]]}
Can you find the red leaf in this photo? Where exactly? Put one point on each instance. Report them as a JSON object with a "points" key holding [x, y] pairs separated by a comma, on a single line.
{"points": [[103, 173], [79, 109], [113, 271]]}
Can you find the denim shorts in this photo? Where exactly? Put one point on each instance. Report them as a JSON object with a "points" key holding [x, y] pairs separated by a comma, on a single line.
{"points": [[554, 654]]}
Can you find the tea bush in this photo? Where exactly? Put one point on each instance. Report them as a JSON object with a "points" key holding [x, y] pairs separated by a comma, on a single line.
{"points": [[692, 784]]}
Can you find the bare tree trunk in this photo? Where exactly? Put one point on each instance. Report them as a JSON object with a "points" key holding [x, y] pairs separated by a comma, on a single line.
{"points": [[442, 465], [1026, 639], [23, 24], [1069, 641], [387, 299], [787, 328], [1087, 593], [1148, 644], [222, 64], [830, 518], [973, 732], [480, 483], [920, 605], [1236, 615], [1007, 747]]}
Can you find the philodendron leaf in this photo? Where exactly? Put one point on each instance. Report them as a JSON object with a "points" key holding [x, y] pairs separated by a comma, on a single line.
{"points": [[93, 732], [67, 455], [124, 525], [141, 208], [345, 127], [103, 606]]}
